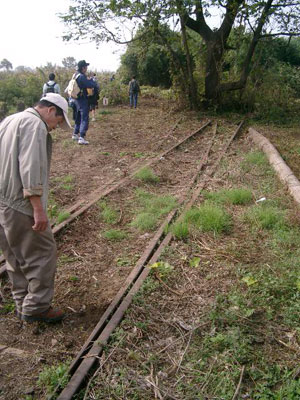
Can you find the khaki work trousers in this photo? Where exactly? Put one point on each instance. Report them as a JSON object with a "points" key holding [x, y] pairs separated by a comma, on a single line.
{"points": [[30, 261]]}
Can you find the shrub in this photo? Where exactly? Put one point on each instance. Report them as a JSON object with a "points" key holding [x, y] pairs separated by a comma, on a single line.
{"points": [[115, 92]]}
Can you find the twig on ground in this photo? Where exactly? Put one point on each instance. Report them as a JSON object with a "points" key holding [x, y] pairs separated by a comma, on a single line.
{"points": [[2, 296], [188, 278], [121, 216], [161, 390], [167, 287], [175, 341], [236, 393], [287, 346], [205, 383], [154, 384], [185, 350]]}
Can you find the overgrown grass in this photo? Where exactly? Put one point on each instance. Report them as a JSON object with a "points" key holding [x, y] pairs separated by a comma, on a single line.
{"points": [[152, 208], [108, 214], [265, 216], [180, 230], [53, 376], [145, 221], [62, 216], [208, 218], [254, 158], [239, 196], [146, 175], [114, 235]]}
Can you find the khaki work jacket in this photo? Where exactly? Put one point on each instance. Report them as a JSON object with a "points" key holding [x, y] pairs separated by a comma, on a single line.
{"points": [[25, 154]]}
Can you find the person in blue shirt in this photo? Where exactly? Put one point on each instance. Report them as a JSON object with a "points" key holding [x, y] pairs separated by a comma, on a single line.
{"points": [[82, 103]]}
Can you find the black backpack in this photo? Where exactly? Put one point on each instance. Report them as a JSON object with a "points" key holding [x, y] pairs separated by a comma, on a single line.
{"points": [[135, 86], [50, 88]]}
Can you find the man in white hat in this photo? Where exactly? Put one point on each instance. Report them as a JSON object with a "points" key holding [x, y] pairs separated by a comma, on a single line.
{"points": [[26, 239]]}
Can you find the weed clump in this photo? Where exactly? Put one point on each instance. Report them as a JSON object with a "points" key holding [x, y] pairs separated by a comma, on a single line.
{"points": [[152, 207], [239, 196], [54, 376], [180, 230], [265, 217], [62, 216], [255, 158], [109, 215], [145, 221], [146, 175], [208, 218], [114, 235]]}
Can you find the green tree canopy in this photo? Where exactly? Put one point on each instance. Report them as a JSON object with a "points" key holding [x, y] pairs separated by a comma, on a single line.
{"points": [[6, 64], [69, 62]]}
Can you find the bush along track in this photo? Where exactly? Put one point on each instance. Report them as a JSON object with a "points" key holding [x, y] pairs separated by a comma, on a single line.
{"points": [[218, 316]]}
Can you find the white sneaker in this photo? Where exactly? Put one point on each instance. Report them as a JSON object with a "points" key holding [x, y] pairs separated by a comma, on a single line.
{"points": [[82, 141], [75, 136]]}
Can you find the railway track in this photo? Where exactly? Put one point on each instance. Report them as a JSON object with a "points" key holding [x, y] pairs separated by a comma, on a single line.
{"points": [[206, 146], [91, 351]]}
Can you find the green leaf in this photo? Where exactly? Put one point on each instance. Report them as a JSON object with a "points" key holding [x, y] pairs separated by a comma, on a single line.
{"points": [[194, 262], [249, 280]]}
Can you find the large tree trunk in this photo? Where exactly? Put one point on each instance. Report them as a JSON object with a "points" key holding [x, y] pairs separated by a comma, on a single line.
{"points": [[212, 76]]}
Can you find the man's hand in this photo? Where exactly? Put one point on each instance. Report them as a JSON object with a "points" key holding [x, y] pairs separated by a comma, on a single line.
{"points": [[39, 215]]}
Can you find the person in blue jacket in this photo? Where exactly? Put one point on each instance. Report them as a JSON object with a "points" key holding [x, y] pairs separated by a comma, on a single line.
{"points": [[82, 103]]}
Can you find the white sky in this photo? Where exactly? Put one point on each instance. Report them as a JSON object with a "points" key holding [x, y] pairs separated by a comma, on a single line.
{"points": [[31, 34]]}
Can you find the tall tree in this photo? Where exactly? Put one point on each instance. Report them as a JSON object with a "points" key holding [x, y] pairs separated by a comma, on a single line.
{"points": [[6, 64], [69, 62]]}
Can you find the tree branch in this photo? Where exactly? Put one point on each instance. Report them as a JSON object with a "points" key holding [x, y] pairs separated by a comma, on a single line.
{"points": [[280, 34], [246, 68]]}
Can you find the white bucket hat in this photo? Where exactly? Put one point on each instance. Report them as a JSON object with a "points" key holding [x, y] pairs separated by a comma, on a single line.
{"points": [[62, 103]]}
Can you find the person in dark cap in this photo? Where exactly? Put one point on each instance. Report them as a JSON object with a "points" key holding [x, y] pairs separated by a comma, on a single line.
{"points": [[82, 103]]}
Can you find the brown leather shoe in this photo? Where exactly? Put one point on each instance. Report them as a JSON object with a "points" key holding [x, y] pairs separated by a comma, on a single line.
{"points": [[49, 316]]}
